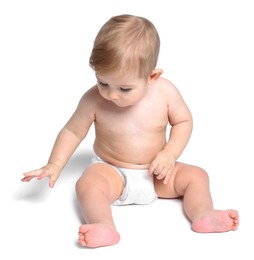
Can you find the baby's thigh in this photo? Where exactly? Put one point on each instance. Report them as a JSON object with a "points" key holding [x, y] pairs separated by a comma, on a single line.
{"points": [[179, 180], [101, 177], [167, 190]]}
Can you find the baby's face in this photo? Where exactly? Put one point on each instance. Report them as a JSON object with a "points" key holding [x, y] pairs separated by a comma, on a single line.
{"points": [[123, 90]]}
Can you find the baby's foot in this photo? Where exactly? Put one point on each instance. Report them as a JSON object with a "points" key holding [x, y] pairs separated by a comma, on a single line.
{"points": [[97, 235], [216, 221]]}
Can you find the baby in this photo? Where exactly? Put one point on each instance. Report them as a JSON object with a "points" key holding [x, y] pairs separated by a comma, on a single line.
{"points": [[131, 106]]}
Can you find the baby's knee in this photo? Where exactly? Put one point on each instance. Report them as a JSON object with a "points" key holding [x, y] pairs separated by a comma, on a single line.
{"points": [[82, 184], [200, 173], [79, 185]]}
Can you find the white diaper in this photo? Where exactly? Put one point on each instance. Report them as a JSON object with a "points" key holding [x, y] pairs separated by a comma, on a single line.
{"points": [[139, 186]]}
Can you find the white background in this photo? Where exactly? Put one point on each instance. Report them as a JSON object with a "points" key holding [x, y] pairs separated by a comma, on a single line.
{"points": [[206, 51]]}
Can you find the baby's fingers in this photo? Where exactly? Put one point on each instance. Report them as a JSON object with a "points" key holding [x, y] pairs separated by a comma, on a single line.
{"points": [[152, 168], [167, 177], [160, 173], [52, 181], [39, 174], [164, 174], [27, 179], [42, 175]]}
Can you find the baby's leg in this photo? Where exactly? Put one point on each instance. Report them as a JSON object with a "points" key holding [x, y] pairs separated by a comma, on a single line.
{"points": [[96, 189], [192, 183]]}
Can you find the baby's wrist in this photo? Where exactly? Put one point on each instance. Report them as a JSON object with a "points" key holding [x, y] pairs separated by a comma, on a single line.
{"points": [[171, 154]]}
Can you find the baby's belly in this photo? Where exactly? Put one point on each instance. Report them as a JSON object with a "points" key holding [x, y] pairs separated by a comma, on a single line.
{"points": [[126, 155]]}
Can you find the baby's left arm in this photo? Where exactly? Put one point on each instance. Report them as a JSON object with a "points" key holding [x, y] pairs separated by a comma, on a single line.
{"points": [[180, 119]]}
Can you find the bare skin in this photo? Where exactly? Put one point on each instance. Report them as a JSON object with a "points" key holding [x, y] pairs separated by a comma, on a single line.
{"points": [[216, 221], [131, 133], [97, 235]]}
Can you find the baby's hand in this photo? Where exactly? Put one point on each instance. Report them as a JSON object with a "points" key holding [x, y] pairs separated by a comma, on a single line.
{"points": [[162, 166], [49, 170]]}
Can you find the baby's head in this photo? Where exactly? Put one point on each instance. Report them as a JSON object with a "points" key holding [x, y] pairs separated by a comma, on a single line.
{"points": [[126, 44]]}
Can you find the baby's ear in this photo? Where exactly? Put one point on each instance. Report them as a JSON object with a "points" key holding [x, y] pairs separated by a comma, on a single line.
{"points": [[155, 74]]}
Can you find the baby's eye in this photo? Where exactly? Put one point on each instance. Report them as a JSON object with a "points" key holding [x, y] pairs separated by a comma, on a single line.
{"points": [[126, 89], [102, 84]]}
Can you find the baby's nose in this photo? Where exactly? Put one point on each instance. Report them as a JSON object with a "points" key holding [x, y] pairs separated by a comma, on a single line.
{"points": [[113, 95]]}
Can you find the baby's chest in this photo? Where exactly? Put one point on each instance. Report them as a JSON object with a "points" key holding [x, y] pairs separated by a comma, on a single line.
{"points": [[133, 121]]}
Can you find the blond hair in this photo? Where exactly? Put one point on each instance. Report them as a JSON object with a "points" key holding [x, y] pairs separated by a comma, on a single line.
{"points": [[126, 43]]}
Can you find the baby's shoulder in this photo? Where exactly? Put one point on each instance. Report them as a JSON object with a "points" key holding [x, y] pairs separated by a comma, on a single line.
{"points": [[89, 99], [91, 95], [165, 86]]}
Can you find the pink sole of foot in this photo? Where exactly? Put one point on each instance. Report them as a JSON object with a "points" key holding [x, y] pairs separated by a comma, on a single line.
{"points": [[217, 221], [97, 235]]}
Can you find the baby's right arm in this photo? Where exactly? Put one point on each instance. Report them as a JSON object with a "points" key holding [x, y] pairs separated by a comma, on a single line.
{"points": [[67, 141]]}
